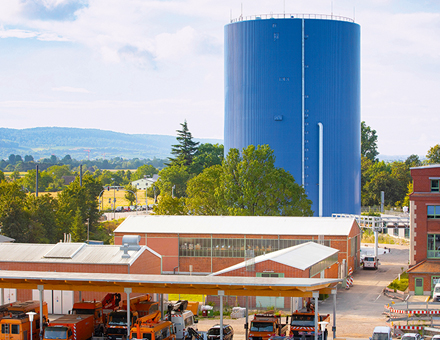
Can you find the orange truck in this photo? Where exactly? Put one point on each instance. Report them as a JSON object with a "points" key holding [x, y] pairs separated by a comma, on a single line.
{"points": [[265, 325], [70, 327], [15, 325], [302, 326], [150, 327], [99, 309]]}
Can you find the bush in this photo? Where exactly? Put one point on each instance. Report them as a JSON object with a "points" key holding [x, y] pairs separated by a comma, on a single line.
{"points": [[401, 284]]}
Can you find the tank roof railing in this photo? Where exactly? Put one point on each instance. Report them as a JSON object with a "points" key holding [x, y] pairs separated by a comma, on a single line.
{"points": [[292, 16]]}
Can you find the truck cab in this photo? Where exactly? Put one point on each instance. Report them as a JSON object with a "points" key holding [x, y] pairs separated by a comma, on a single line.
{"points": [[265, 325], [58, 332], [302, 326]]}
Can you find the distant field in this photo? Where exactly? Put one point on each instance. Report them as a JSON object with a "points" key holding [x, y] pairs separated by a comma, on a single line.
{"points": [[9, 173], [120, 199]]}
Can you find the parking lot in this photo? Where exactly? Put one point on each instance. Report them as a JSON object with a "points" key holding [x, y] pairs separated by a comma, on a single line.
{"points": [[360, 308]]}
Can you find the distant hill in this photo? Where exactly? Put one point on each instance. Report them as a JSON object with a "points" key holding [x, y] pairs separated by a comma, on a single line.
{"points": [[45, 141]]}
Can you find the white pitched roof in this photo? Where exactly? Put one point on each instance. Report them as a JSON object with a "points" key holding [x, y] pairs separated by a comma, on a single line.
{"points": [[68, 253], [302, 256], [257, 225]]}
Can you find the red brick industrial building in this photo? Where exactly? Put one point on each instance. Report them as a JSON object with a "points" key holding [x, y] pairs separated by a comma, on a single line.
{"points": [[425, 230], [206, 244]]}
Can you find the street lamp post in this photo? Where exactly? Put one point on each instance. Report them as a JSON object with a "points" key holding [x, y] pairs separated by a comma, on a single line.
{"points": [[172, 191], [31, 318]]}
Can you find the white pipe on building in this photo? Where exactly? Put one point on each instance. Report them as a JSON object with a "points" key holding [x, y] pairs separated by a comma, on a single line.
{"points": [[321, 165]]}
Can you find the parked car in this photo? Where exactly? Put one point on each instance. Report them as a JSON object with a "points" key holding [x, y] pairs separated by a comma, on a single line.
{"points": [[132, 208], [371, 262], [119, 209], [214, 332], [411, 336], [436, 337]]}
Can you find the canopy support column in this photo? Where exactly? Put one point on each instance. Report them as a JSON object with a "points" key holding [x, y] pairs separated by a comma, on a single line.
{"points": [[246, 325], [128, 292], [40, 290], [221, 293], [316, 297], [334, 312]]}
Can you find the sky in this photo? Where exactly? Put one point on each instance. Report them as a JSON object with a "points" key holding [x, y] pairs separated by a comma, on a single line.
{"points": [[142, 66]]}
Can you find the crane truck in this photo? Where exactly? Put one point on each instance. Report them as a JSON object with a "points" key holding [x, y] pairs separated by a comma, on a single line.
{"points": [[70, 327], [100, 310], [149, 327]]}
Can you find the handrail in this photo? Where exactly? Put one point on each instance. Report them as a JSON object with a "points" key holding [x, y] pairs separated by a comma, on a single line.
{"points": [[292, 16]]}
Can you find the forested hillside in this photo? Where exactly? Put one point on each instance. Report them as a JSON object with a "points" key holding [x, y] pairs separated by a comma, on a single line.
{"points": [[46, 141]]}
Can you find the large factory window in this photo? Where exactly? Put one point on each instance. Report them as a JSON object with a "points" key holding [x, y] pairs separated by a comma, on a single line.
{"points": [[233, 247]]}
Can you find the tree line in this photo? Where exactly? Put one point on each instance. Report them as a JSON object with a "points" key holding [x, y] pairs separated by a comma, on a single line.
{"points": [[394, 178], [22, 164]]}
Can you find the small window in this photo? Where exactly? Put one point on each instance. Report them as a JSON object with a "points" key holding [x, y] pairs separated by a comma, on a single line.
{"points": [[276, 36], [5, 328], [15, 329], [434, 185], [433, 211]]}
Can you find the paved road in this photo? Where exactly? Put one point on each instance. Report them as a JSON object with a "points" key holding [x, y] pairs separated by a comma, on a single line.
{"points": [[360, 308]]}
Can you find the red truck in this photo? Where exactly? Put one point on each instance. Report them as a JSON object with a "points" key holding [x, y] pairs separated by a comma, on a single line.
{"points": [[70, 327]]}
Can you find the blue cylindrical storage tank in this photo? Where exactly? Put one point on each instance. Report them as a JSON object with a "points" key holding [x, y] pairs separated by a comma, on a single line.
{"points": [[294, 83]]}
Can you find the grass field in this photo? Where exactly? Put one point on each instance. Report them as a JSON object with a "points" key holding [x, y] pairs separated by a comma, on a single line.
{"points": [[9, 173]]}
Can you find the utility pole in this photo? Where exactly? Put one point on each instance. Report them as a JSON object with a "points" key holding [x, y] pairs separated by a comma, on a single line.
{"points": [[36, 183]]}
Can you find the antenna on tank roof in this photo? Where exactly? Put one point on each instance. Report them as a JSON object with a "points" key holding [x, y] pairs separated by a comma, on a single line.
{"points": [[284, 8], [241, 10], [332, 9], [354, 13]]}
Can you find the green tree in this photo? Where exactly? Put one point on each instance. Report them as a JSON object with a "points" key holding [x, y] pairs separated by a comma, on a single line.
{"points": [[2, 176], [42, 212], [74, 196], [78, 230], [169, 205], [130, 193], [368, 142], [413, 161], [433, 154], [28, 158], [247, 185], [146, 170], [206, 156], [202, 192], [14, 219], [15, 175], [171, 176], [251, 185], [185, 150]]}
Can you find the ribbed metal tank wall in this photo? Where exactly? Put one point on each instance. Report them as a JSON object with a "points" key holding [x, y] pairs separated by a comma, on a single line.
{"points": [[282, 78]]}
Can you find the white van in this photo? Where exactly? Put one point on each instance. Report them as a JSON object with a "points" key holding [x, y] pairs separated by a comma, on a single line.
{"points": [[182, 321], [381, 333], [371, 262]]}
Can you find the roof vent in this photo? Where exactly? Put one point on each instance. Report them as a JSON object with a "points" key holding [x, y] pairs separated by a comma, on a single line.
{"points": [[130, 242]]}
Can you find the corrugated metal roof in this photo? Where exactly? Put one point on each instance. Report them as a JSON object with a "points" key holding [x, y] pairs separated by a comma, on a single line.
{"points": [[302, 256], [6, 239], [249, 225], [85, 254]]}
